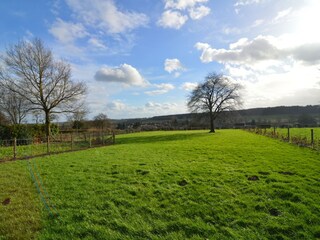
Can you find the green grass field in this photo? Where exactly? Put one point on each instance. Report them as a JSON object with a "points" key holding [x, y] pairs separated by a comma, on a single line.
{"points": [[168, 185]]}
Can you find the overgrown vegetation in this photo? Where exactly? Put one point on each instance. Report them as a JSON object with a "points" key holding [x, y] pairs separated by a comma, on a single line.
{"points": [[169, 185]]}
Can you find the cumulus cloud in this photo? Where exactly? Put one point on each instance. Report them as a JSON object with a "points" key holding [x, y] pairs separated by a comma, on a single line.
{"points": [[116, 105], [105, 15], [274, 70], [175, 14], [173, 66], [161, 89], [182, 4], [199, 12], [262, 48], [67, 32], [298, 86], [308, 53], [125, 74], [172, 19], [189, 86]]}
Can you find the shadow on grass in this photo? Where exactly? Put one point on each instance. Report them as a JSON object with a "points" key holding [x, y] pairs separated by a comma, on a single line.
{"points": [[160, 138]]}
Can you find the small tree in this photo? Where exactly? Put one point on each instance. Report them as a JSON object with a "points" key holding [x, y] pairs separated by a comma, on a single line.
{"points": [[33, 74], [78, 118], [101, 121], [215, 95], [13, 105]]}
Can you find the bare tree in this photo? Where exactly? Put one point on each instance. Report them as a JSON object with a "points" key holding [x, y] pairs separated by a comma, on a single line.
{"points": [[13, 105], [101, 121], [78, 118], [215, 95], [31, 71]]}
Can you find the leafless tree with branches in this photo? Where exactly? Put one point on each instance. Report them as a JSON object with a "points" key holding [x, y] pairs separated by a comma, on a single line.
{"points": [[13, 105], [214, 96], [31, 72]]}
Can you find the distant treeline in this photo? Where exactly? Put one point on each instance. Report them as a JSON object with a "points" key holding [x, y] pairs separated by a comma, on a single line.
{"points": [[282, 110], [282, 116]]}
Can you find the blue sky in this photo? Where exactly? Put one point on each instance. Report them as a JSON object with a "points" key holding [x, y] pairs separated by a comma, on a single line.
{"points": [[142, 58]]}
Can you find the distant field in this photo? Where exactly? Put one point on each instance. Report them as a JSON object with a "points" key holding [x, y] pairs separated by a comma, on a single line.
{"points": [[168, 185]]}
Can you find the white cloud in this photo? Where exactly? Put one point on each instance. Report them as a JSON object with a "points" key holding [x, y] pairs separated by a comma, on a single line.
{"points": [[173, 65], [199, 12], [295, 87], [182, 4], [67, 32], [125, 74], [104, 14], [274, 70], [116, 105], [189, 86], [161, 89], [246, 2], [231, 30], [257, 22], [242, 3], [172, 19], [97, 43], [175, 14], [283, 14], [262, 48], [157, 109], [118, 109]]}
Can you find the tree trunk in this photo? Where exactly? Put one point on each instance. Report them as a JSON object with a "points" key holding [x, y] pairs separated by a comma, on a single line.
{"points": [[47, 123], [211, 122]]}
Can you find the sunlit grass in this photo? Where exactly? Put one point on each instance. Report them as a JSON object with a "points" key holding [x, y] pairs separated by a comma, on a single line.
{"points": [[176, 185]]}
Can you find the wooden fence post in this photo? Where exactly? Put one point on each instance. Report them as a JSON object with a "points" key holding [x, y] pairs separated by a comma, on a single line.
{"points": [[14, 148], [113, 138], [312, 138], [71, 141], [89, 140], [288, 134]]}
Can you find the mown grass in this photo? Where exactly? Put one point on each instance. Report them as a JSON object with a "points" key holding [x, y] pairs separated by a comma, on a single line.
{"points": [[20, 206], [173, 185]]}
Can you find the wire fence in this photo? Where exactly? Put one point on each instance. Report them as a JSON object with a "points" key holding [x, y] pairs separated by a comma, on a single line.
{"points": [[304, 137], [67, 141]]}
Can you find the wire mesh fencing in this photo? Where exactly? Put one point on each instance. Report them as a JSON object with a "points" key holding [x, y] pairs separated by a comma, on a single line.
{"points": [[66, 141], [304, 137]]}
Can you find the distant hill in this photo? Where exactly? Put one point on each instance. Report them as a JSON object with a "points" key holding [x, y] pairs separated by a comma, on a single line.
{"points": [[277, 116]]}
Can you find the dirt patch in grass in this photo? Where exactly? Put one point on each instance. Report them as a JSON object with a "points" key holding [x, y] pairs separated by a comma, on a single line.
{"points": [[253, 178], [183, 182], [6, 201], [274, 212]]}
